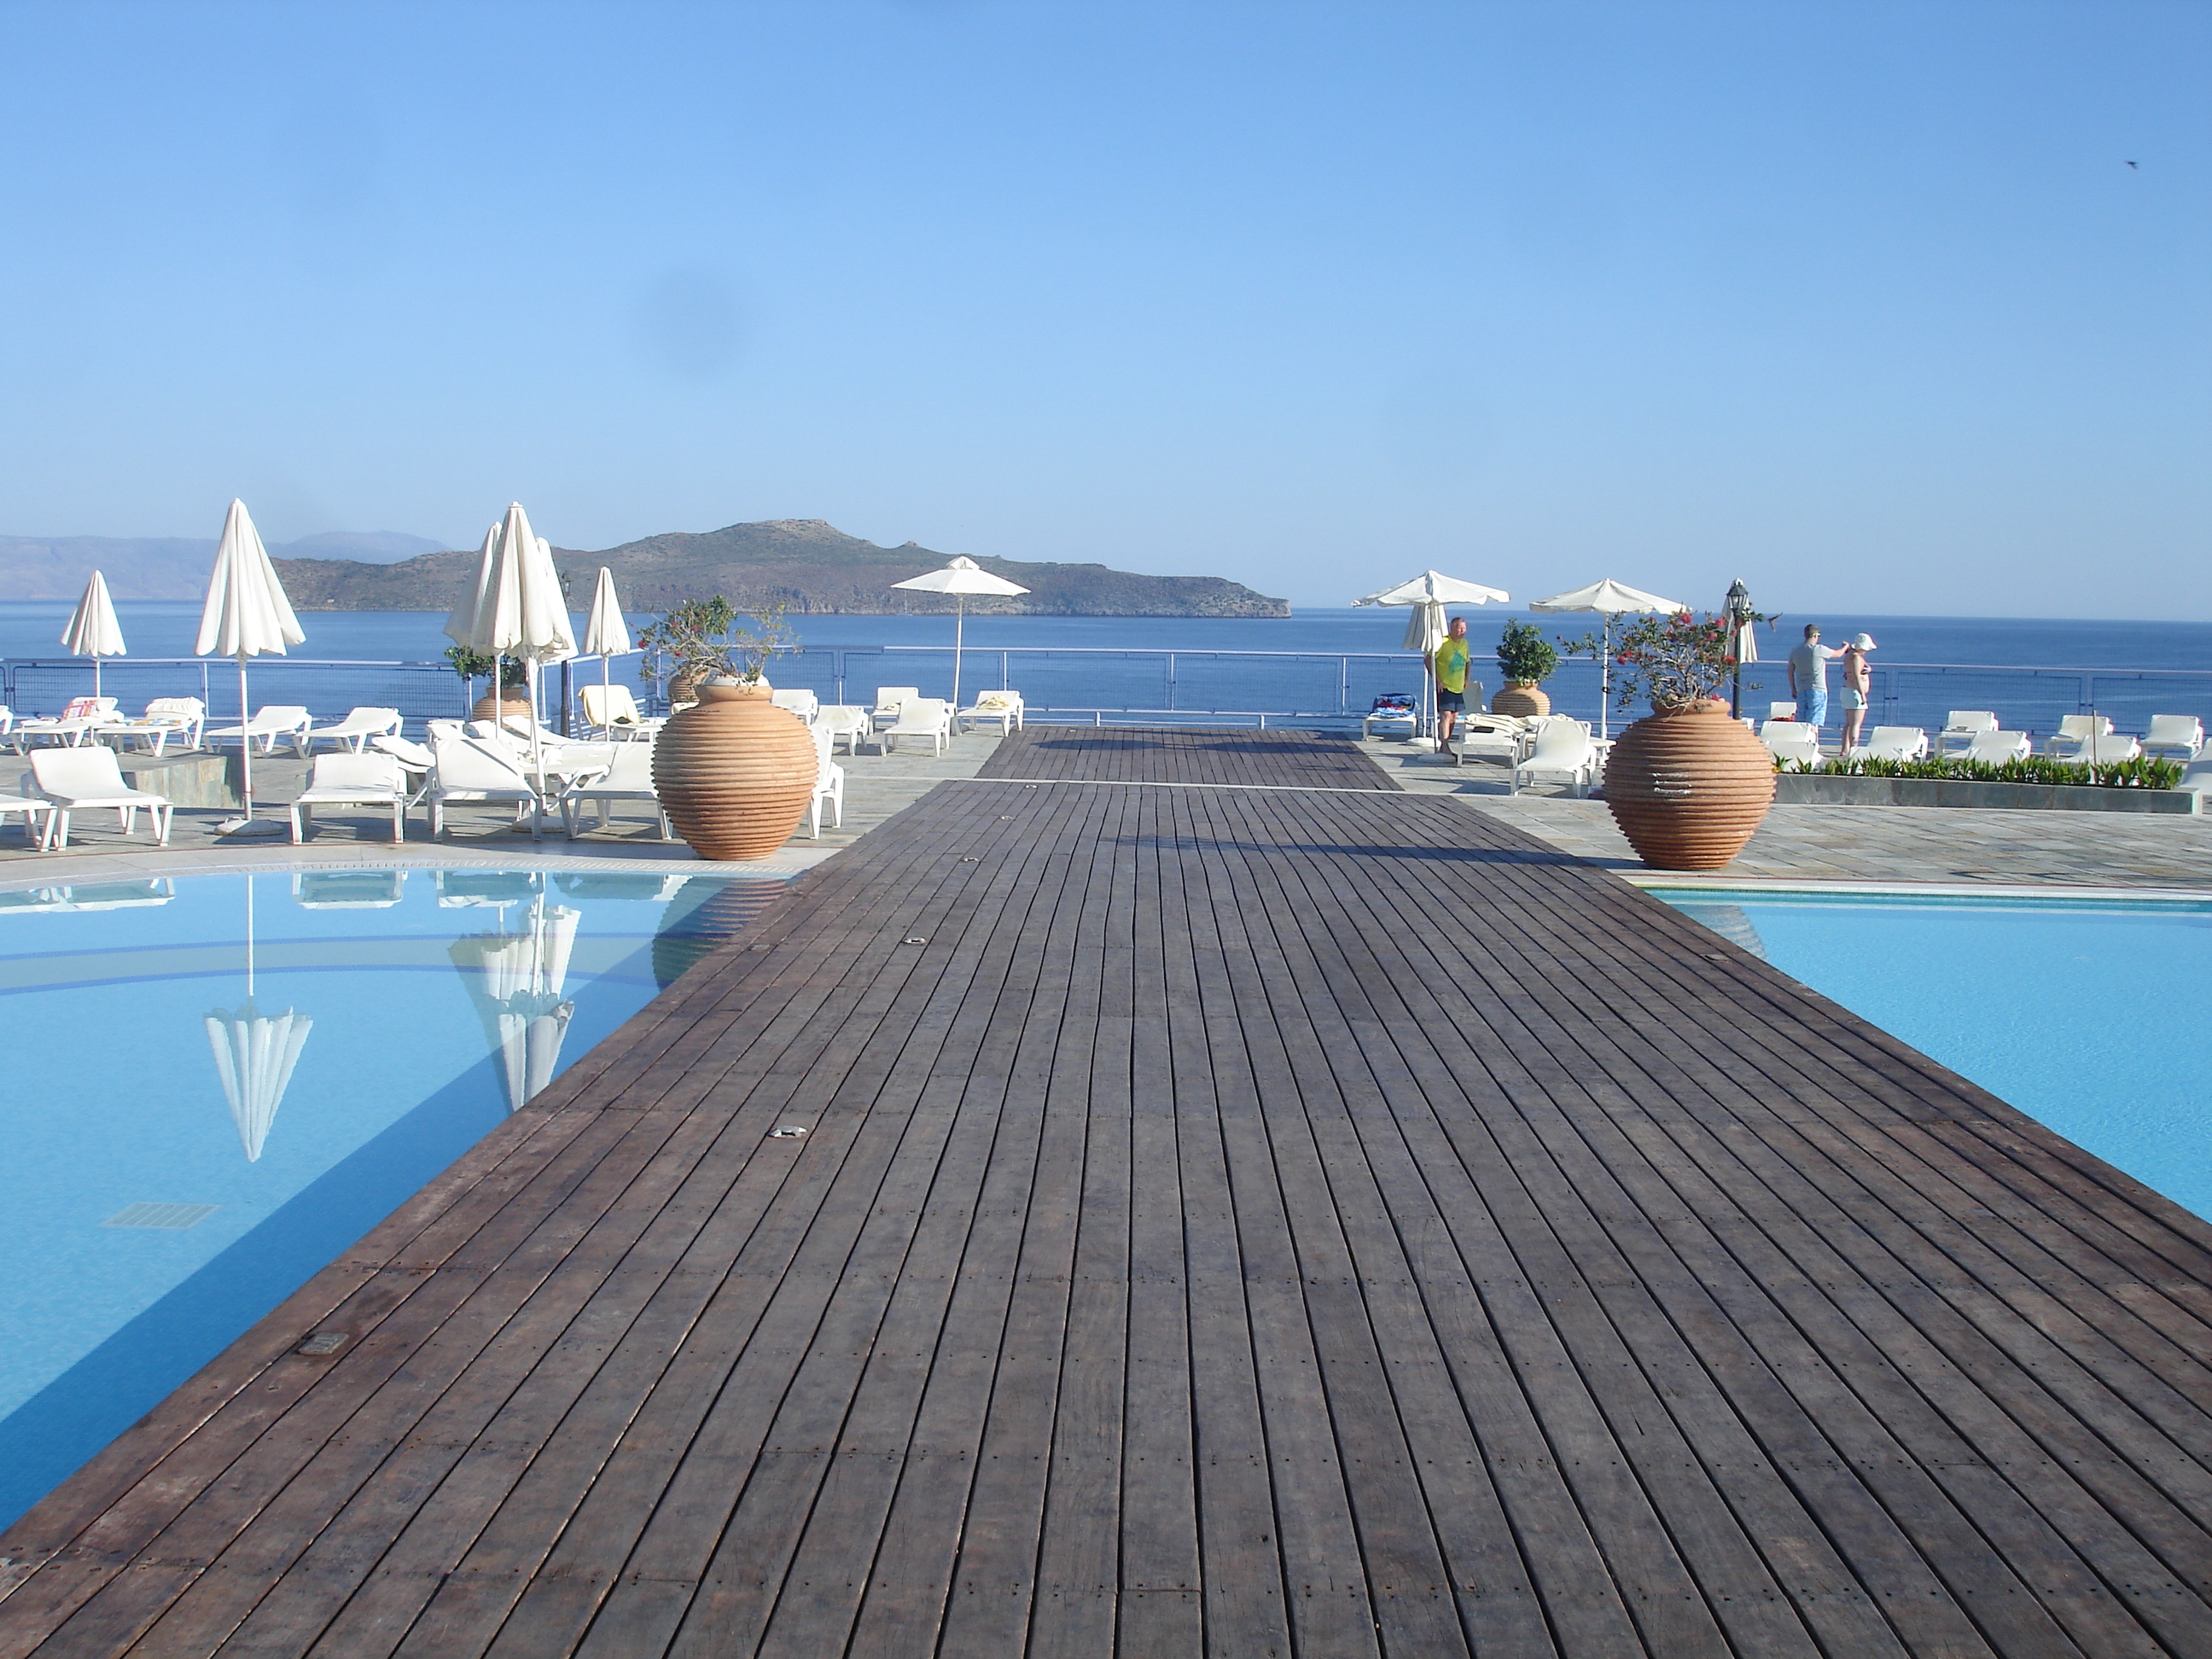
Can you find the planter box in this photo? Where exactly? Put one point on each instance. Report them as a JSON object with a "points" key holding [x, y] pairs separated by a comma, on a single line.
{"points": [[187, 780], [1811, 789]]}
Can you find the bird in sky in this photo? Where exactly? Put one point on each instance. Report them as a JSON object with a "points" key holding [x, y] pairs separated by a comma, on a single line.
{"points": [[2133, 165]]}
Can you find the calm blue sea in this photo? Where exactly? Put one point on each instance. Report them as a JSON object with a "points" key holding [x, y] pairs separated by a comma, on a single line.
{"points": [[1926, 665]]}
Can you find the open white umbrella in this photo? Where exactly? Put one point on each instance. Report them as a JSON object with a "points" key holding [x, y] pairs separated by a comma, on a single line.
{"points": [[1610, 599], [255, 1054], [247, 615], [93, 631], [605, 633], [1429, 593], [961, 578], [516, 609], [516, 981]]}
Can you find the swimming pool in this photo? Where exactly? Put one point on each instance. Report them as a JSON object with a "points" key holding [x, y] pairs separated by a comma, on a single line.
{"points": [[2092, 1016], [216, 1083]]}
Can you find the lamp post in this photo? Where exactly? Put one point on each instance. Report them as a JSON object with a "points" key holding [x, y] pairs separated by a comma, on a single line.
{"points": [[1739, 615]]}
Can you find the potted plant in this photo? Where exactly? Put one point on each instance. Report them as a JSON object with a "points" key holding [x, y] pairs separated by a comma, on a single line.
{"points": [[1688, 784], [509, 693], [734, 772], [1525, 661]]}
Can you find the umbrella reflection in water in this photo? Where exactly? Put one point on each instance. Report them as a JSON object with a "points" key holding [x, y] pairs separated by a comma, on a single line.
{"points": [[255, 1054], [516, 980]]}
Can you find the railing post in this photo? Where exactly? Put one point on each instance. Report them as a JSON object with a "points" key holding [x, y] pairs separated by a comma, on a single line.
{"points": [[1171, 680]]}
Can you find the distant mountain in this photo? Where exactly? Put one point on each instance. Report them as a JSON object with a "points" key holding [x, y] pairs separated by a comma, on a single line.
{"points": [[167, 567], [805, 564]]}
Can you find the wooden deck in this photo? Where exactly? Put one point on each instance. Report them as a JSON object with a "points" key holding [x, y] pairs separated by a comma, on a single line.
{"points": [[1229, 1222]]}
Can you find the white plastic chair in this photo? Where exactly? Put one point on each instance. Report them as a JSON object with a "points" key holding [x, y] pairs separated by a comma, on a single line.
{"points": [[889, 699], [828, 785], [1960, 726], [275, 720], [1789, 741], [2074, 731], [2179, 734], [165, 717], [34, 810], [1896, 742], [804, 704], [611, 712], [471, 769], [75, 779], [1564, 749], [2108, 748], [1781, 711], [843, 719], [1493, 737], [629, 778], [354, 780], [922, 717], [1006, 707], [356, 728], [1996, 748], [79, 716]]}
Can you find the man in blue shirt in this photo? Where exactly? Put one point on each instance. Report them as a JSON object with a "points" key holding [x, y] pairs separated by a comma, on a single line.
{"points": [[1808, 678]]}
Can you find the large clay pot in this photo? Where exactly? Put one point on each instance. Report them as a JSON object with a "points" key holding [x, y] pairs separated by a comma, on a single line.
{"points": [[492, 706], [1525, 698], [734, 772], [1688, 786]]}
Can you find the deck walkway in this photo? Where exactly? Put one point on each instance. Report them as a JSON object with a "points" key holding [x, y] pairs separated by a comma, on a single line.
{"points": [[1226, 1221]]}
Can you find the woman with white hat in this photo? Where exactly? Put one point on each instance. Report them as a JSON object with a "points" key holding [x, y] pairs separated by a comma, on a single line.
{"points": [[1857, 681]]}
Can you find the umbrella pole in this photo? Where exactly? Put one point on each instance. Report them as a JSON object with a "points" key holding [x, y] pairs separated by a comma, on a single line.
{"points": [[244, 743], [959, 627], [95, 677], [1605, 684], [536, 758]]}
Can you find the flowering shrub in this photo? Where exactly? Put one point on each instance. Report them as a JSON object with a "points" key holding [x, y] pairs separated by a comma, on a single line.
{"points": [[1674, 660], [2145, 772]]}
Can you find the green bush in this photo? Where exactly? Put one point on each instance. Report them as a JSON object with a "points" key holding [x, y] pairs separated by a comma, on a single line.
{"points": [[1525, 657], [2143, 773]]}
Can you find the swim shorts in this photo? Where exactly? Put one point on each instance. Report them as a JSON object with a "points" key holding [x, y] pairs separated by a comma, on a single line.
{"points": [[1851, 698], [1453, 700]]}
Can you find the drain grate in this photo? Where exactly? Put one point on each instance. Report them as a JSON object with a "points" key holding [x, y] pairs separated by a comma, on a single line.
{"points": [[173, 1217]]}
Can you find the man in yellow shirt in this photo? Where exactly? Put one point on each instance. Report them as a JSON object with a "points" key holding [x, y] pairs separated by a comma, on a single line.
{"points": [[1450, 664]]}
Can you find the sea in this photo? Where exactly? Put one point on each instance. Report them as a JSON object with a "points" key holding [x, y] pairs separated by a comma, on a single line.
{"points": [[1319, 664]]}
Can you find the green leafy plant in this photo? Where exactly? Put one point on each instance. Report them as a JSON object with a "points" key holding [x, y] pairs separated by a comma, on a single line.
{"points": [[474, 666], [1525, 657], [2144, 772], [706, 640], [1674, 660]]}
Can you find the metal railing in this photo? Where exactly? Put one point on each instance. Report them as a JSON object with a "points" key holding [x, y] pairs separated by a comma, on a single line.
{"points": [[1101, 686]]}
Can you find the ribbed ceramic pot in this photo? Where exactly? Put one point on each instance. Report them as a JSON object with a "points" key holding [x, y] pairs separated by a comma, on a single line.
{"points": [[734, 772], [1527, 700], [492, 707], [1688, 786]]}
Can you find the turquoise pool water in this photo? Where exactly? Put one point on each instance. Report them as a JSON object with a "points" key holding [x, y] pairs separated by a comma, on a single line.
{"points": [[2095, 1017], [193, 1127]]}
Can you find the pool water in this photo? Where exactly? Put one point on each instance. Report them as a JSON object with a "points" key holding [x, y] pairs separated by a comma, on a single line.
{"points": [[2095, 1017], [216, 1083]]}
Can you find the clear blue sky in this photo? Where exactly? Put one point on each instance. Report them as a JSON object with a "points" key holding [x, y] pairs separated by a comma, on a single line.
{"points": [[1861, 301]]}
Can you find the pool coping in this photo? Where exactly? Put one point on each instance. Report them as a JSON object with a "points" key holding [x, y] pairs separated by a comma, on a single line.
{"points": [[1780, 885]]}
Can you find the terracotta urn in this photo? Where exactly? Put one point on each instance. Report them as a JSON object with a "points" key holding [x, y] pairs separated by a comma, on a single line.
{"points": [[1524, 697], [493, 707], [734, 771], [1688, 786]]}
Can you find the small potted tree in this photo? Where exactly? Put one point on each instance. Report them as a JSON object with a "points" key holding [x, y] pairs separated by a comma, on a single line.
{"points": [[734, 771], [1525, 661], [510, 688], [695, 635], [1687, 784]]}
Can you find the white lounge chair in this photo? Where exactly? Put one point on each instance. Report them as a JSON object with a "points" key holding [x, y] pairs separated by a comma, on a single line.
{"points": [[828, 785], [37, 814], [276, 721], [1960, 726], [889, 699], [1895, 742], [629, 778], [1792, 742], [921, 717], [79, 719], [1564, 749], [1781, 711], [843, 719], [1996, 748], [356, 728], [2074, 731], [2108, 748], [2198, 777], [472, 769], [354, 780], [1006, 707], [180, 717], [1492, 737], [89, 777], [801, 703], [611, 712], [2176, 734]]}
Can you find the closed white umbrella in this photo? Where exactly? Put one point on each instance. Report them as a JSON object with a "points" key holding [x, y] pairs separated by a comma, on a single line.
{"points": [[1429, 593], [1611, 599], [93, 631], [516, 609], [255, 1054], [605, 633], [247, 615], [517, 981], [1743, 639], [961, 578]]}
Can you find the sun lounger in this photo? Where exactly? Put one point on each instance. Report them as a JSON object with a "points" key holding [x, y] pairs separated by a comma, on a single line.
{"points": [[269, 724], [79, 719], [1492, 737], [828, 785], [921, 717], [180, 717], [356, 728], [2108, 750], [844, 721], [1005, 709], [629, 778], [2169, 734], [889, 699], [37, 814], [801, 703], [354, 780], [1960, 726], [1563, 750], [1895, 742], [2074, 731], [1996, 748], [611, 712], [89, 777], [1792, 742], [1781, 711], [472, 769]]}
